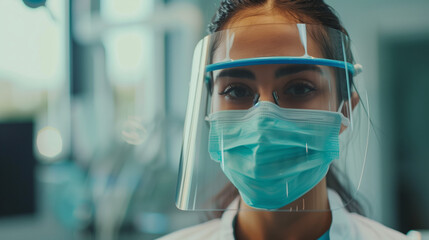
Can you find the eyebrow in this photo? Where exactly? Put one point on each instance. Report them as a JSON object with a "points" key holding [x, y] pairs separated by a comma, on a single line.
{"points": [[237, 73], [292, 69], [281, 72]]}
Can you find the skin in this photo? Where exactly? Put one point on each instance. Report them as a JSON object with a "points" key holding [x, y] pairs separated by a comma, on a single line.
{"points": [[289, 81], [251, 224]]}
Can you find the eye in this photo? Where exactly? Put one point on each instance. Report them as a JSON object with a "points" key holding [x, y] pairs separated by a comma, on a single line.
{"points": [[299, 89], [237, 91]]}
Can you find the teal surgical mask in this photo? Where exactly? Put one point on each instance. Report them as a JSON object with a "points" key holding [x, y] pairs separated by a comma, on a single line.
{"points": [[274, 155]]}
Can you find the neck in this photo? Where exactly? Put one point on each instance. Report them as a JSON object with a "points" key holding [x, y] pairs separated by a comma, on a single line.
{"points": [[253, 224]]}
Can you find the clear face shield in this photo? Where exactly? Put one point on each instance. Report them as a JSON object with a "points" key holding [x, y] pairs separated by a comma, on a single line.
{"points": [[268, 109]]}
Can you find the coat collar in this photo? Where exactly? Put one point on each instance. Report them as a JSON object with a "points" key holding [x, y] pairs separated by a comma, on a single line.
{"points": [[341, 226]]}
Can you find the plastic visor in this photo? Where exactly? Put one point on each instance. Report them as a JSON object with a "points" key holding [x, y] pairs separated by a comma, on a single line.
{"points": [[295, 71]]}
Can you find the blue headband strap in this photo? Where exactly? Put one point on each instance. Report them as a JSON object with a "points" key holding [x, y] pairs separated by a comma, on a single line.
{"points": [[280, 60]]}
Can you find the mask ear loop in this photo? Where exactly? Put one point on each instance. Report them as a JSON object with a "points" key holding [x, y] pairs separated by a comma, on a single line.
{"points": [[357, 70], [345, 121]]}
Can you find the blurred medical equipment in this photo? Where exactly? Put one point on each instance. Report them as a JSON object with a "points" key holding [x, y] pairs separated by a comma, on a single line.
{"points": [[125, 109], [39, 3], [17, 168], [35, 3], [133, 136]]}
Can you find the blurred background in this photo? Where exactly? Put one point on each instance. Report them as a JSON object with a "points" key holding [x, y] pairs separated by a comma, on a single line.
{"points": [[92, 103]]}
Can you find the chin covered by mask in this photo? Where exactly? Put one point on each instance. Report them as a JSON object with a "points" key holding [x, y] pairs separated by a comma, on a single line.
{"points": [[274, 155]]}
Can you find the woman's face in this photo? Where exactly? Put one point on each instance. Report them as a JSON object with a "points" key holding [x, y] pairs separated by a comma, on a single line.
{"points": [[302, 86]]}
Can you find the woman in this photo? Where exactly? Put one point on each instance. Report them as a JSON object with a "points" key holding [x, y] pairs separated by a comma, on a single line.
{"points": [[271, 100]]}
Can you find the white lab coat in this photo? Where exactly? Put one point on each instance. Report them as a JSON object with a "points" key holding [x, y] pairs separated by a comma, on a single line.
{"points": [[344, 225]]}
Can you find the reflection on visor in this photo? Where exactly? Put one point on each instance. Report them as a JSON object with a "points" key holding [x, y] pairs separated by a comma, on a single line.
{"points": [[287, 85]]}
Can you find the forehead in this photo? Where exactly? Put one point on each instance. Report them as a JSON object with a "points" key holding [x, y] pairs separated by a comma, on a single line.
{"points": [[262, 36]]}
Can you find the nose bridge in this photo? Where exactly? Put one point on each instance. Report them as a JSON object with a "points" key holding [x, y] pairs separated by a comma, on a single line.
{"points": [[268, 95]]}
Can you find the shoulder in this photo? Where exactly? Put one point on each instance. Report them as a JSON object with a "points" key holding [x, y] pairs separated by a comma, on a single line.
{"points": [[346, 225], [207, 231], [370, 229]]}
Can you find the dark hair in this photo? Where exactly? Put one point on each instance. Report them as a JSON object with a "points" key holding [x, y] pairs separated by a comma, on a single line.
{"points": [[308, 11], [304, 11]]}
